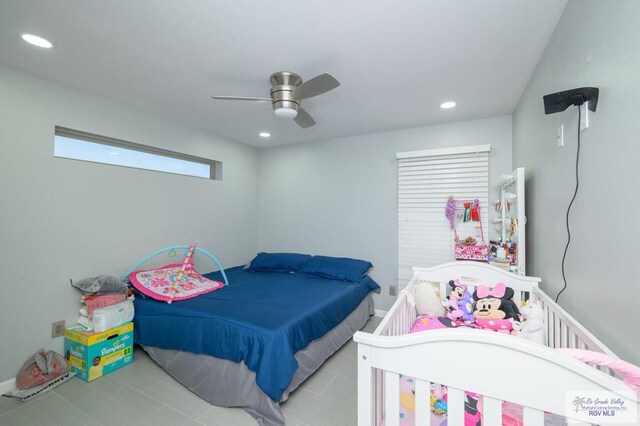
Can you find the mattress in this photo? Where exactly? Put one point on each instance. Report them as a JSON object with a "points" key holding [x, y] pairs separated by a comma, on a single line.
{"points": [[261, 319]]}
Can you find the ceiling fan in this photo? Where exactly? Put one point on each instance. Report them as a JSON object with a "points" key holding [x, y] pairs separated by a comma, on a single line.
{"points": [[287, 90]]}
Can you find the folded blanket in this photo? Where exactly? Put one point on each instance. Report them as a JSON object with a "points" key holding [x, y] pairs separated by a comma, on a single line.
{"points": [[102, 301]]}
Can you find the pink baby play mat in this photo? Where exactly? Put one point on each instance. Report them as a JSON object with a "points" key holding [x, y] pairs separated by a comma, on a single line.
{"points": [[163, 283]]}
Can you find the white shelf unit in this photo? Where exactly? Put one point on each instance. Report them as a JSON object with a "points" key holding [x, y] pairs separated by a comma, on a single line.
{"points": [[511, 188]]}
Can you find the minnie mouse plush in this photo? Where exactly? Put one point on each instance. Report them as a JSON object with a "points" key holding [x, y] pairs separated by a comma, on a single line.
{"points": [[452, 302], [494, 309]]}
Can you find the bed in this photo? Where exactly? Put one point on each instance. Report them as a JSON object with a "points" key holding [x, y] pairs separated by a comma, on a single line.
{"points": [[498, 368], [254, 341]]}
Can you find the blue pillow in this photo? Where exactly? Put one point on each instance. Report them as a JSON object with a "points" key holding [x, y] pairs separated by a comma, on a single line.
{"points": [[336, 268], [278, 262]]}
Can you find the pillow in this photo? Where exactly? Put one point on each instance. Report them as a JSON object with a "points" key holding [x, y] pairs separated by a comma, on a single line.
{"points": [[278, 262], [336, 268]]}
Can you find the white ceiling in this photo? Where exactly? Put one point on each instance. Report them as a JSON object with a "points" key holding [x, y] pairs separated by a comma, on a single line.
{"points": [[396, 60]]}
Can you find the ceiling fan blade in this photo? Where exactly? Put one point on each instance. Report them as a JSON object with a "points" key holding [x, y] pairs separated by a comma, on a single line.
{"points": [[316, 86], [303, 119], [241, 98]]}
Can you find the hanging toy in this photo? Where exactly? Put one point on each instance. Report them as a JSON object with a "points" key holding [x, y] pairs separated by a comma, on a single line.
{"points": [[474, 211], [466, 216], [450, 213], [187, 265]]}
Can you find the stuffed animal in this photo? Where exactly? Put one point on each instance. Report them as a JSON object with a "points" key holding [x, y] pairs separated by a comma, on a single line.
{"points": [[427, 299], [452, 302], [494, 309], [466, 306], [533, 326]]}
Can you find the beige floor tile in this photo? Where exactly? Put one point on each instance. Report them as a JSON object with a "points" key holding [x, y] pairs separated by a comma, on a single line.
{"points": [[223, 416], [114, 402], [371, 325], [76, 389], [349, 349], [169, 417], [141, 374], [317, 410], [344, 389], [319, 381], [8, 404], [50, 410], [181, 399], [341, 364]]}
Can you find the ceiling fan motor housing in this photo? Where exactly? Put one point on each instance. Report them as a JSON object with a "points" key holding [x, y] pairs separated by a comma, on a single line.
{"points": [[282, 91]]}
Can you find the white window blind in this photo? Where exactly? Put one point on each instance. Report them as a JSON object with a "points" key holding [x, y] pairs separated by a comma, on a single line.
{"points": [[426, 179]]}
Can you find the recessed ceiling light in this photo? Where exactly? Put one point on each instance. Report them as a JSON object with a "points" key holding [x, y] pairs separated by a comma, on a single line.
{"points": [[37, 41], [447, 105], [264, 134]]}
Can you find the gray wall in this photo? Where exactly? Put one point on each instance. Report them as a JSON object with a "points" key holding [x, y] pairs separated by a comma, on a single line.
{"points": [[595, 44], [62, 219], [339, 197]]}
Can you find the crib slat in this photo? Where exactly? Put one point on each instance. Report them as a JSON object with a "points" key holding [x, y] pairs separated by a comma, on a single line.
{"points": [[455, 407], [565, 336], [492, 411], [443, 290], [379, 394], [365, 394], [556, 331], [423, 395], [532, 417], [548, 335], [391, 398]]}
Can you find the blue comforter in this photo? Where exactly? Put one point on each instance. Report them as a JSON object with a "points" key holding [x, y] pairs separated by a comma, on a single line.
{"points": [[261, 318]]}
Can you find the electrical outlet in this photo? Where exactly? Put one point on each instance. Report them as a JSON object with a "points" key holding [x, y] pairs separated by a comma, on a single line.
{"points": [[560, 136], [57, 329], [584, 116], [393, 290]]}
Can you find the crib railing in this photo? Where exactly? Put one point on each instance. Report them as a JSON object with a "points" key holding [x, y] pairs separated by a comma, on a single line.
{"points": [[391, 351]]}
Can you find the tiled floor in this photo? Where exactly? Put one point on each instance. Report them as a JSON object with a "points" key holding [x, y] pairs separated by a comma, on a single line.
{"points": [[143, 394]]}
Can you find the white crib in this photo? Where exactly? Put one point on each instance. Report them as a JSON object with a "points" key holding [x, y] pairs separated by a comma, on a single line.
{"points": [[531, 375]]}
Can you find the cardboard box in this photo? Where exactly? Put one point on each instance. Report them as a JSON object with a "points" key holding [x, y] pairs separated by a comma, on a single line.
{"points": [[93, 355]]}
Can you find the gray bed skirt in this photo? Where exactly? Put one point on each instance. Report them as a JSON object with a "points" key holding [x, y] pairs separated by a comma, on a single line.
{"points": [[230, 384]]}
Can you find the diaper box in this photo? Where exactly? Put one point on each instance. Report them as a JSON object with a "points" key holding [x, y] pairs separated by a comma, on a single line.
{"points": [[93, 355]]}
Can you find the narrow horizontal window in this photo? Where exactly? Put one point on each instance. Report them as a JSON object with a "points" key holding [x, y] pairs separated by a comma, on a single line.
{"points": [[76, 145]]}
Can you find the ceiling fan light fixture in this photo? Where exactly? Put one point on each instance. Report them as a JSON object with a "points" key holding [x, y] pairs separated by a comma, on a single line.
{"points": [[285, 112], [447, 105], [264, 134]]}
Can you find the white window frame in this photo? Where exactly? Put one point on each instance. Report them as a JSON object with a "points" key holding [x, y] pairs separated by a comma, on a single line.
{"points": [[215, 167]]}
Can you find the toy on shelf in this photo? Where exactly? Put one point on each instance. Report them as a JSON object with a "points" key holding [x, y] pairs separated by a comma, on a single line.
{"points": [[174, 282], [468, 248]]}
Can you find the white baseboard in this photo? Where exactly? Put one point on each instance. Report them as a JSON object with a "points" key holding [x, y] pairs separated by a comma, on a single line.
{"points": [[380, 313], [7, 385]]}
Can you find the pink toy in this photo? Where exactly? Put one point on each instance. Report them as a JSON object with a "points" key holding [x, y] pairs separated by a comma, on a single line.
{"points": [[173, 282], [499, 325], [630, 371], [454, 301]]}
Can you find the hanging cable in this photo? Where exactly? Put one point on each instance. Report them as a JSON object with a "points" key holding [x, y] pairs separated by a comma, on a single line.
{"points": [[575, 193]]}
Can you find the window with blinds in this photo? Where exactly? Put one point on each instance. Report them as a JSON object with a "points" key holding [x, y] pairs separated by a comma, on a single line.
{"points": [[426, 179]]}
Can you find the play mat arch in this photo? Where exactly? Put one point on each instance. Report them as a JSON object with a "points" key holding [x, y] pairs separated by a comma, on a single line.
{"points": [[174, 281]]}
